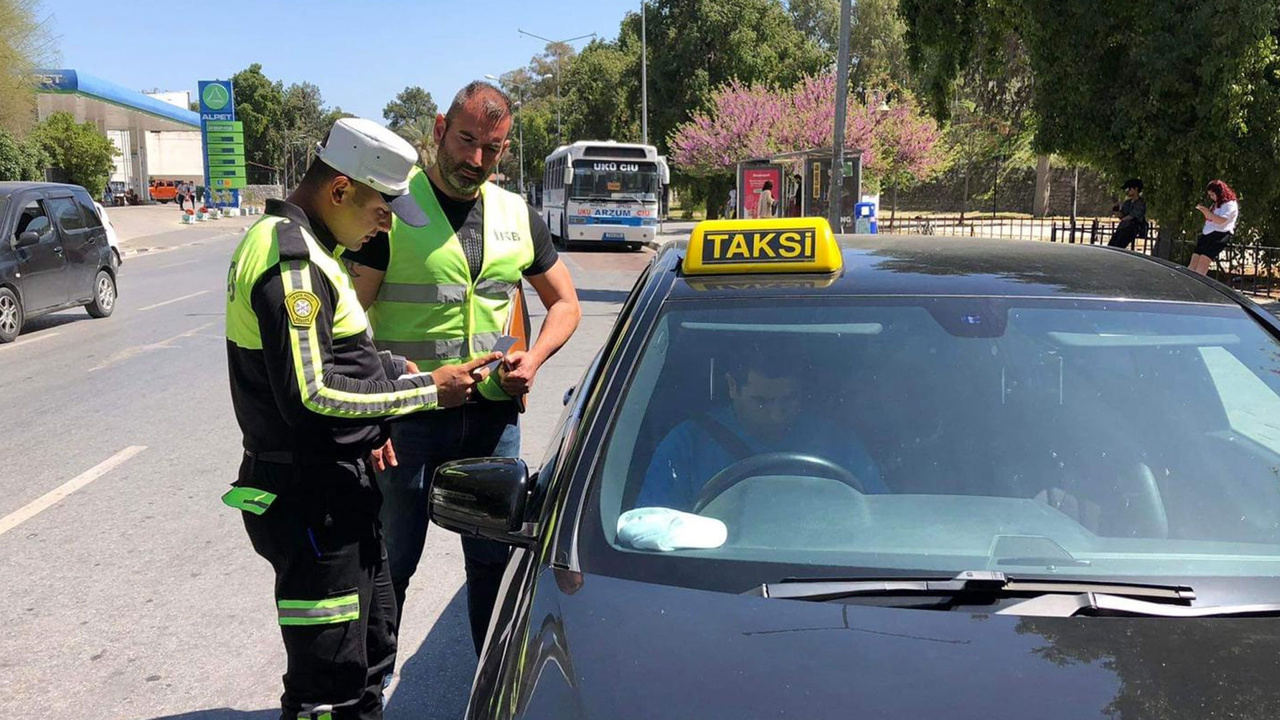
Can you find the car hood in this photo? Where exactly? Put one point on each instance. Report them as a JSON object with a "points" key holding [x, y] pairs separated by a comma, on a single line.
{"points": [[599, 647]]}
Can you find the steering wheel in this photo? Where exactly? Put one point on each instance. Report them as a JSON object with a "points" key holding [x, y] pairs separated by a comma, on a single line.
{"points": [[758, 465]]}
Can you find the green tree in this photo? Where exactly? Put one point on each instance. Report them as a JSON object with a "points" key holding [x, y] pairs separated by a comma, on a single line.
{"points": [[304, 121], [412, 105], [421, 135], [819, 20], [78, 149], [536, 123], [878, 44], [21, 160], [877, 38], [601, 90], [334, 115], [696, 46], [260, 106], [1176, 93], [25, 44]]}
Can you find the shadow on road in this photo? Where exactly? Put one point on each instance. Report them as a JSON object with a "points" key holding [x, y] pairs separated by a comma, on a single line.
{"points": [[435, 681], [225, 714], [58, 319]]}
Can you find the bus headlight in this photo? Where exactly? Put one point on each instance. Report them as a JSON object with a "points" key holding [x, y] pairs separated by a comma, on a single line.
{"points": [[576, 220]]}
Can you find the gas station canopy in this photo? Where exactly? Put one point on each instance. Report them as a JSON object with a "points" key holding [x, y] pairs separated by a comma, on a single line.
{"points": [[157, 139], [109, 106]]}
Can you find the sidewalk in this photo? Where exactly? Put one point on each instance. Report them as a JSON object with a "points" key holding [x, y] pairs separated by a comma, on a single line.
{"points": [[670, 231], [145, 228]]}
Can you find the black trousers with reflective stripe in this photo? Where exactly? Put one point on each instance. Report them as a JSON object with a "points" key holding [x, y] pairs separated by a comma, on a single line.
{"points": [[323, 538]]}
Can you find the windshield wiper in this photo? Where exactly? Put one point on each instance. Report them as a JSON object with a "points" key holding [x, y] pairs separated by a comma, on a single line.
{"points": [[985, 584], [1108, 605]]}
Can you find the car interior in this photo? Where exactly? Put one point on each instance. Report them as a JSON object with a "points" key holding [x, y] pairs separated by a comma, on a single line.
{"points": [[33, 219], [995, 422]]}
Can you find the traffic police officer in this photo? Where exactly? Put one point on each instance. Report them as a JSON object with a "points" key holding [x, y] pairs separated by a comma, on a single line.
{"points": [[310, 393], [442, 294]]}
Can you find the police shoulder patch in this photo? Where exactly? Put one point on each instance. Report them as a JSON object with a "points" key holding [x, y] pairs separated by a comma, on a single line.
{"points": [[302, 307]]}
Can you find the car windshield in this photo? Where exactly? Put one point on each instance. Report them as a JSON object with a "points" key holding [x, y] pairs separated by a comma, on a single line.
{"points": [[615, 180], [4, 205], [1110, 439]]}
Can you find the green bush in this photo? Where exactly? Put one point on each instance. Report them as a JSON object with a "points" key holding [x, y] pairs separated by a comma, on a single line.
{"points": [[79, 149], [21, 160]]}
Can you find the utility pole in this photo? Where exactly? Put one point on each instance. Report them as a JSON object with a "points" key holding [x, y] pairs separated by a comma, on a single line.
{"points": [[644, 78], [559, 124], [842, 110]]}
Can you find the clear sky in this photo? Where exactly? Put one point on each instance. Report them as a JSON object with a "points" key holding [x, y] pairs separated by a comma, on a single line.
{"points": [[359, 52]]}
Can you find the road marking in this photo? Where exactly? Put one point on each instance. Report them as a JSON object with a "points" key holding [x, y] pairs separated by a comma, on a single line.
{"points": [[48, 500], [34, 339], [170, 302], [139, 349]]}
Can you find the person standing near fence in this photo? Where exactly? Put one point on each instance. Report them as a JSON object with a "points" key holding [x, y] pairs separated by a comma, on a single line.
{"points": [[1132, 213], [1219, 226]]}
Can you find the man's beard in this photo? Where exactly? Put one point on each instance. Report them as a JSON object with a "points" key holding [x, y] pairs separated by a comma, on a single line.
{"points": [[451, 172]]}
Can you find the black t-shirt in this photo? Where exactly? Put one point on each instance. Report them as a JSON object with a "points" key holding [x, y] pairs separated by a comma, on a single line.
{"points": [[467, 219]]}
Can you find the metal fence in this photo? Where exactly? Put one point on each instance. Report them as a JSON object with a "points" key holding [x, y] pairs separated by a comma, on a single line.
{"points": [[1249, 268]]}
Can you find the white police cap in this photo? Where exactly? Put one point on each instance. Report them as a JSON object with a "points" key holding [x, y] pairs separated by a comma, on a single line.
{"points": [[372, 155]]}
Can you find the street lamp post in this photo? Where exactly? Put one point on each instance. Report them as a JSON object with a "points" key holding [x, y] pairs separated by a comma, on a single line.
{"points": [[559, 123], [520, 87], [644, 78]]}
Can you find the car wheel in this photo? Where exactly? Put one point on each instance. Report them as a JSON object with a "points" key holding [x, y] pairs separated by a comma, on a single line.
{"points": [[164, 202], [104, 295], [10, 315]]}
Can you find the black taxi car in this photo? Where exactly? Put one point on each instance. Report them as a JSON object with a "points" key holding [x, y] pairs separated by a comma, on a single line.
{"points": [[889, 477]]}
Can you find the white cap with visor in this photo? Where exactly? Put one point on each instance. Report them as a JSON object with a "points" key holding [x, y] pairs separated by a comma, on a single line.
{"points": [[372, 155]]}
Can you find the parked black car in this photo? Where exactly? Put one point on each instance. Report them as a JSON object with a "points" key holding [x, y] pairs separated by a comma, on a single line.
{"points": [[969, 479], [54, 255]]}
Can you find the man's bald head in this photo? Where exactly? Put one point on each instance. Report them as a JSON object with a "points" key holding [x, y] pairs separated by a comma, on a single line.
{"points": [[483, 99]]}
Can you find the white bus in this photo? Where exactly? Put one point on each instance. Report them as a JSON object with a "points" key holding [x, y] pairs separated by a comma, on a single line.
{"points": [[603, 191]]}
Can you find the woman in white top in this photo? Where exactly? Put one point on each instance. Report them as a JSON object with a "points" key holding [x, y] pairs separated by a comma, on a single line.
{"points": [[764, 206], [1219, 226]]}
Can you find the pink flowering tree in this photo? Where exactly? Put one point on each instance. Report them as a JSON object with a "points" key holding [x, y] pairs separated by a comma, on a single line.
{"points": [[900, 146], [740, 127]]}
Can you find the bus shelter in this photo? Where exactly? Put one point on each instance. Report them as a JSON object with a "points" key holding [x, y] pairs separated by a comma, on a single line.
{"points": [[801, 183]]}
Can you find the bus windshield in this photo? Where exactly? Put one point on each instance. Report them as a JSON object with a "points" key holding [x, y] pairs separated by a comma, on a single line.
{"points": [[614, 180]]}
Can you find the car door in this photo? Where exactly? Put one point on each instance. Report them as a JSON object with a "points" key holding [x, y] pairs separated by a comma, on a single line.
{"points": [[96, 248], [42, 267], [78, 243]]}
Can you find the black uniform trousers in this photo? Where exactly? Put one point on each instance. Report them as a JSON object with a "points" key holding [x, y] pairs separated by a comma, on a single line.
{"points": [[334, 597]]}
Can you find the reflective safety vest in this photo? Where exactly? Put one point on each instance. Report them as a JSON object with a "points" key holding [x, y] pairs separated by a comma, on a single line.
{"points": [[258, 253], [429, 309]]}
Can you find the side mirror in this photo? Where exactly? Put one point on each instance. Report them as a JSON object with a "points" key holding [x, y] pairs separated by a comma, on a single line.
{"points": [[484, 497], [28, 238], [568, 176]]}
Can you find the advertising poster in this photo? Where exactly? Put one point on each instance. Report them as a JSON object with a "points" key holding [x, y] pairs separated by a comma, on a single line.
{"points": [[751, 185]]}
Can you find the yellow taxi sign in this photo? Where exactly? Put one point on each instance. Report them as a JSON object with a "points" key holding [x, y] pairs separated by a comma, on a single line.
{"points": [[774, 245]]}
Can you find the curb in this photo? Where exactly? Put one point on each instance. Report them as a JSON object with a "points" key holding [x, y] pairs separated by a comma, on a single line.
{"points": [[134, 252]]}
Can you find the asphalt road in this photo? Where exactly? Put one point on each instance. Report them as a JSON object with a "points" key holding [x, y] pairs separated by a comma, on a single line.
{"points": [[129, 591]]}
